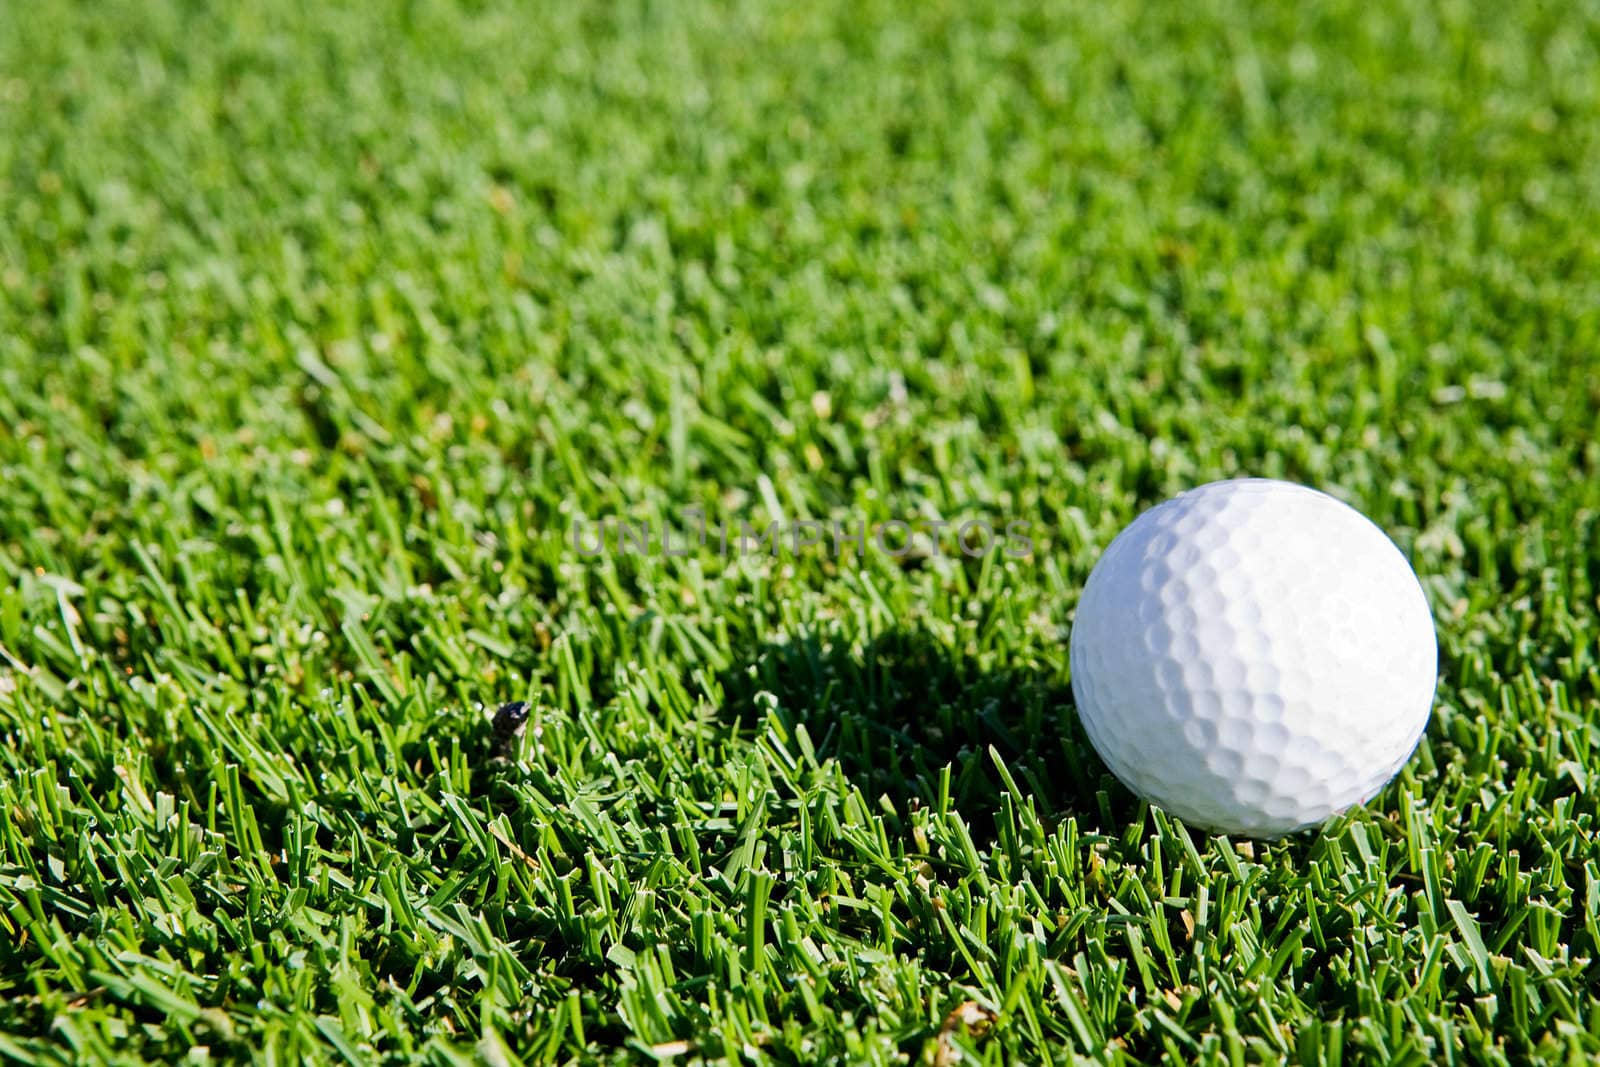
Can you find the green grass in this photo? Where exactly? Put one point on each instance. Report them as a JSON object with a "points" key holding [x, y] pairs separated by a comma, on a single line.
{"points": [[319, 325]]}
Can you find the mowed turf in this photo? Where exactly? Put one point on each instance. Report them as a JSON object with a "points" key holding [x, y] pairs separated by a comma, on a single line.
{"points": [[320, 325]]}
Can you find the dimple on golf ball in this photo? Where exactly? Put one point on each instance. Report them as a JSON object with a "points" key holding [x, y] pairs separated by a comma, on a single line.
{"points": [[1253, 656]]}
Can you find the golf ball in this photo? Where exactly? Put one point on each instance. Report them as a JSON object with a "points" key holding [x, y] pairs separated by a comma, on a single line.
{"points": [[1253, 656]]}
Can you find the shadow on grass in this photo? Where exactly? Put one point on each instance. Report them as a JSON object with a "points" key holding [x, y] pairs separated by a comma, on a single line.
{"points": [[894, 712]]}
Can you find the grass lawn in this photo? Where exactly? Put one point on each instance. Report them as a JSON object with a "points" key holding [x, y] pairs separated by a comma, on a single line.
{"points": [[322, 325]]}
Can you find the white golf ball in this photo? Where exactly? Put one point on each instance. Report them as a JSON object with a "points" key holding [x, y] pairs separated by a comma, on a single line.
{"points": [[1253, 656]]}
